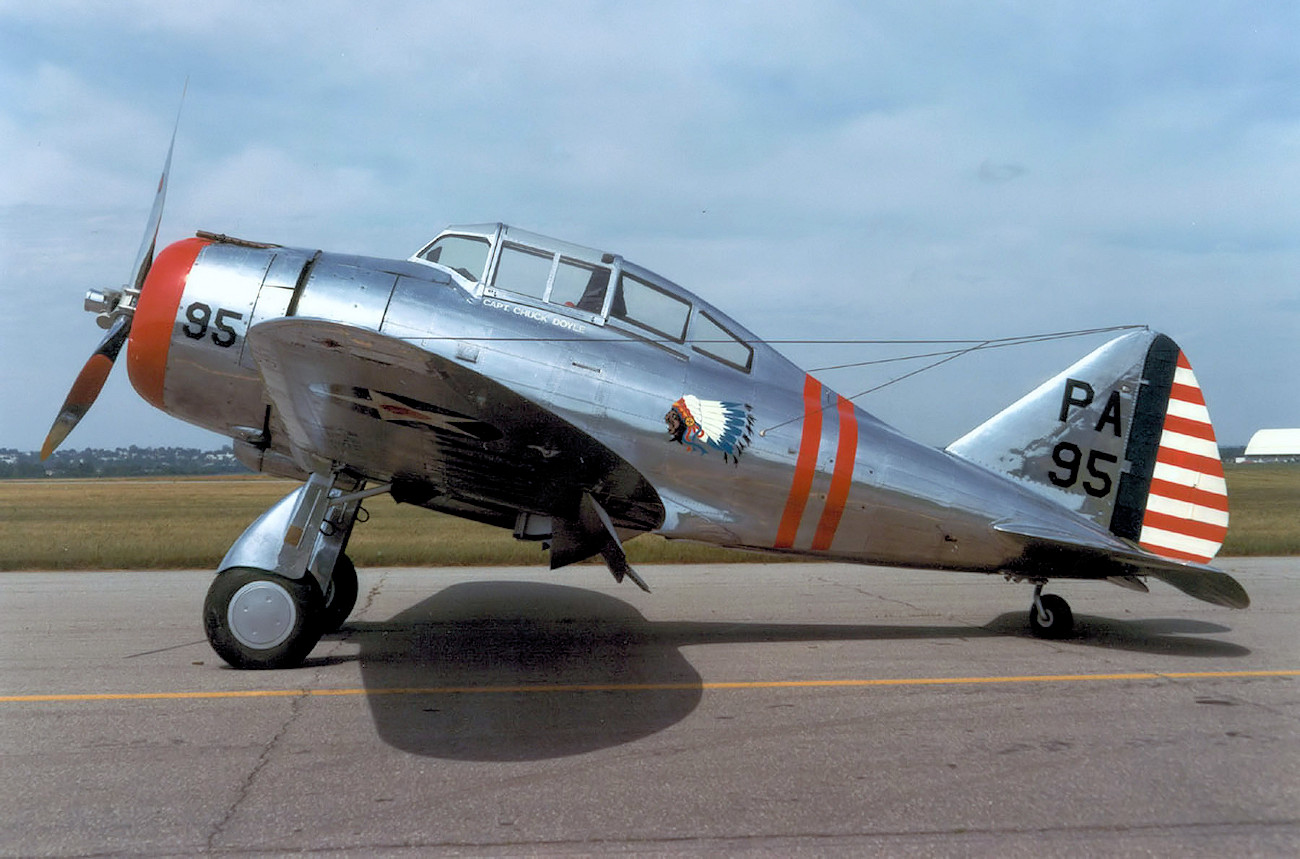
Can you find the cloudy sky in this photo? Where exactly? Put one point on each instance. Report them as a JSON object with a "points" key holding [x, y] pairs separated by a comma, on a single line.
{"points": [[820, 170]]}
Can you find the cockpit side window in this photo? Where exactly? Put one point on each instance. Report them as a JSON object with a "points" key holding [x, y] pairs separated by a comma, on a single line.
{"points": [[710, 338], [524, 271], [651, 308], [465, 255], [580, 285]]}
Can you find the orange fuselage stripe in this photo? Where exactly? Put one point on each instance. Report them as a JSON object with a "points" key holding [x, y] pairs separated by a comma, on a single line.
{"points": [[846, 453], [805, 466]]}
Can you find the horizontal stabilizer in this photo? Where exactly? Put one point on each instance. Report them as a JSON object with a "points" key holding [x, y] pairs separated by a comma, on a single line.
{"points": [[1094, 553], [1205, 583]]}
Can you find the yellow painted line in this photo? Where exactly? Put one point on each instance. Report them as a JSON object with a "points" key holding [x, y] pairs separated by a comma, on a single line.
{"points": [[648, 687]]}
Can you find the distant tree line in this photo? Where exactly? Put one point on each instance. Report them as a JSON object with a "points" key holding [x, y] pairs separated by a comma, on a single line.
{"points": [[119, 462], [144, 461]]}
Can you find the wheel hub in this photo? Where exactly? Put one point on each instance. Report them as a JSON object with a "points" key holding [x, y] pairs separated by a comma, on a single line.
{"points": [[261, 615]]}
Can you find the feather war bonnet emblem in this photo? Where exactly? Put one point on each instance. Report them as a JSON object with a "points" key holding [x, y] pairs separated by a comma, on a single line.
{"points": [[704, 425]]}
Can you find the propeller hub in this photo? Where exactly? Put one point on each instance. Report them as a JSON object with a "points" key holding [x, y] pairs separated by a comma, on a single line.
{"points": [[102, 300]]}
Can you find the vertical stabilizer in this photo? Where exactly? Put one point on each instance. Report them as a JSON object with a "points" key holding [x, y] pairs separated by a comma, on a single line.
{"points": [[1122, 437]]}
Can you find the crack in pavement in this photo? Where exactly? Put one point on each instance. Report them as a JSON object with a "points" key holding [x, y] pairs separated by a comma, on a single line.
{"points": [[295, 710], [371, 594], [925, 612], [856, 589]]}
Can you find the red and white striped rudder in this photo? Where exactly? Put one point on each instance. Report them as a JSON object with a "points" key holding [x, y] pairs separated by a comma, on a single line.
{"points": [[1186, 516]]}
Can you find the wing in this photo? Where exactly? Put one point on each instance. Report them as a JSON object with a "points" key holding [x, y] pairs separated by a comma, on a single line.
{"points": [[449, 437]]}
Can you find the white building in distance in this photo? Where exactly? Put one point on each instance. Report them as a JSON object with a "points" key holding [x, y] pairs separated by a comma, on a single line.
{"points": [[1273, 445]]}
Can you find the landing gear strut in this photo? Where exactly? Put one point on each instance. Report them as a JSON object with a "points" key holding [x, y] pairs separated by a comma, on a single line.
{"points": [[1050, 615], [286, 581]]}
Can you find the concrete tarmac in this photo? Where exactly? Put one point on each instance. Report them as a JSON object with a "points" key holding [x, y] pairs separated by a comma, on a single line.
{"points": [[749, 709]]}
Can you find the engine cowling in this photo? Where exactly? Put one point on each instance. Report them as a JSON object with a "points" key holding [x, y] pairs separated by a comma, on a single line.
{"points": [[187, 353]]}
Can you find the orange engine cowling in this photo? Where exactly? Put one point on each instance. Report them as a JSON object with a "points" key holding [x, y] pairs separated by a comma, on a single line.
{"points": [[187, 352], [155, 317]]}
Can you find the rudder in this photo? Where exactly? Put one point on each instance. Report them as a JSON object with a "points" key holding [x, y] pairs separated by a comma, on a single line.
{"points": [[1174, 500]]}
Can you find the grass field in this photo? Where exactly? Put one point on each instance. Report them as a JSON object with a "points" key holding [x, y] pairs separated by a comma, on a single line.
{"points": [[1264, 506], [179, 523]]}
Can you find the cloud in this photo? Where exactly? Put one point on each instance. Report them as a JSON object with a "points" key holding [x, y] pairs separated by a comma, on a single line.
{"points": [[999, 174], [818, 170]]}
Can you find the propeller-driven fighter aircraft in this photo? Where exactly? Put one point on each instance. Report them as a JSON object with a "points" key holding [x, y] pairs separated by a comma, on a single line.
{"points": [[581, 400]]}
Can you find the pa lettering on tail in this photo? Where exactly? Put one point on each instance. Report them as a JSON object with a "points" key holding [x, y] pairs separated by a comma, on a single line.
{"points": [[1124, 438]]}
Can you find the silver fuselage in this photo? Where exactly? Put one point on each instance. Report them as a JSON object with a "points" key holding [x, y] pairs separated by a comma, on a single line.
{"points": [[817, 475]]}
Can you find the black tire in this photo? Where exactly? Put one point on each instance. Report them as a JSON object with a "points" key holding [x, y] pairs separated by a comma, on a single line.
{"points": [[340, 596], [1059, 622], [280, 618]]}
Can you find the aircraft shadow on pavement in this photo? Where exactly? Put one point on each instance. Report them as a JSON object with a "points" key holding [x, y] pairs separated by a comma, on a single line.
{"points": [[493, 637], [513, 671], [1164, 636], [484, 636]]}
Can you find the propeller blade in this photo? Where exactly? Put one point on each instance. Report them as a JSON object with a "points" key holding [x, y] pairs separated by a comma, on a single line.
{"points": [[87, 386], [144, 257], [90, 381]]}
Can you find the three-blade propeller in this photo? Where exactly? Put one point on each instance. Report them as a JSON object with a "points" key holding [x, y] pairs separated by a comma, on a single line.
{"points": [[118, 310]]}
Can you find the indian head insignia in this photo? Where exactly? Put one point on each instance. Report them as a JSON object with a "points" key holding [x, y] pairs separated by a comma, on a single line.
{"points": [[704, 425]]}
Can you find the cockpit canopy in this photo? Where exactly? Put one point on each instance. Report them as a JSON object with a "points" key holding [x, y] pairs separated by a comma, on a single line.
{"points": [[495, 260]]}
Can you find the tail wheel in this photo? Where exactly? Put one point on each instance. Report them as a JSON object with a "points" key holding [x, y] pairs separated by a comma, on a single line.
{"points": [[1050, 616], [340, 596], [257, 619]]}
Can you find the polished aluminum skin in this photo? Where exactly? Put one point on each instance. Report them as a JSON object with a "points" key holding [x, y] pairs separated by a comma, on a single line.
{"points": [[510, 379], [578, 399]]}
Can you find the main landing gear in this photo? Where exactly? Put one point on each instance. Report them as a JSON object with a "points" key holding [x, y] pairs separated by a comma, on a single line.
{"points": [[258, 619], [1050, 615], [286, 581]]}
